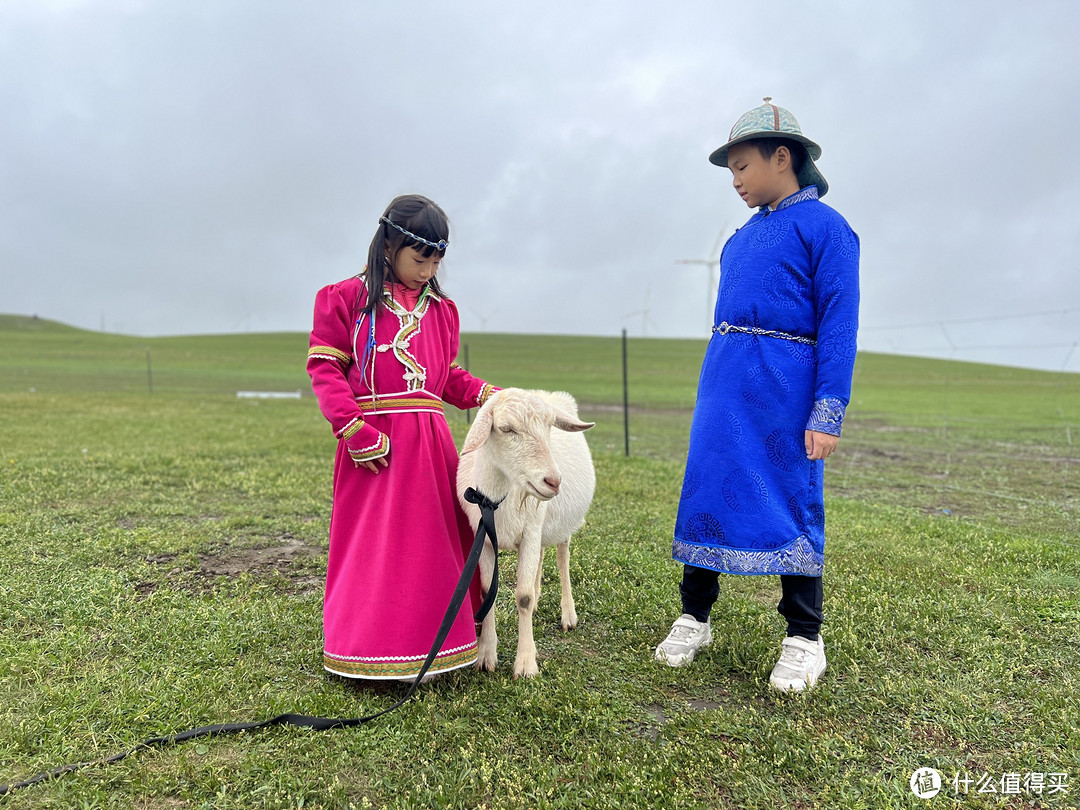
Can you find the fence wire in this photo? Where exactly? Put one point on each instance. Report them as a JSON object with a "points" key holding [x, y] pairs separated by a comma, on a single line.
{"points": [[953, 439]]}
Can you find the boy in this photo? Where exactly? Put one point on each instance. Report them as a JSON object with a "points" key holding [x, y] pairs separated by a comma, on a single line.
{"points": [[774, 386]]}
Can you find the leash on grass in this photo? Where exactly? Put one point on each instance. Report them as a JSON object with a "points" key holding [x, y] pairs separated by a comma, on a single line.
{"points": [[485, 530]]}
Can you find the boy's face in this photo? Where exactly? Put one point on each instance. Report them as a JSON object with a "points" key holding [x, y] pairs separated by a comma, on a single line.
{"points": [[761, 181]]}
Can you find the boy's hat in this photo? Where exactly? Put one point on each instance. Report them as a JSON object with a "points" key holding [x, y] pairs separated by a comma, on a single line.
{"points": [[770, 121]]}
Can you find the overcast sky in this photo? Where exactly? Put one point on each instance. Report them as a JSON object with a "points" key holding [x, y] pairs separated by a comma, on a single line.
{"points": [[191, 166]]}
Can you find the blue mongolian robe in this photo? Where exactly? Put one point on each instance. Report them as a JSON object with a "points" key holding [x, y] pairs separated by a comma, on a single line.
{"points": [[779, 363]]}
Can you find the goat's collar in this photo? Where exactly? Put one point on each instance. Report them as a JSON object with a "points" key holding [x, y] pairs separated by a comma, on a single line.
{"points": [[481, 500]]}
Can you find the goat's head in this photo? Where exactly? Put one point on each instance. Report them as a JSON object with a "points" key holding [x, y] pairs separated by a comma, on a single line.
{"points": [[514, 430]]}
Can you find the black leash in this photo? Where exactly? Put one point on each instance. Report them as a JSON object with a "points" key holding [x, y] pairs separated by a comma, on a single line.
{"points": [[484, 530]]}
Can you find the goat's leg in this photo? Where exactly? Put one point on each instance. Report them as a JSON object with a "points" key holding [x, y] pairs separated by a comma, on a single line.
{"points": [[569, 613], [487, 655], [539, 574], [528, 562]]}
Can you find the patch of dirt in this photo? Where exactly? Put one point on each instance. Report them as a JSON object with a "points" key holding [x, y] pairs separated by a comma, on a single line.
{"points": [[283, 559], [719, 698], [938, 739], [874, 451], [255, 560], [161, 803], [650, 729]]}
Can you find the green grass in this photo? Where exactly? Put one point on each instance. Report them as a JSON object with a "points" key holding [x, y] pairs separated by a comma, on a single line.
{"points": [[163, 552]]}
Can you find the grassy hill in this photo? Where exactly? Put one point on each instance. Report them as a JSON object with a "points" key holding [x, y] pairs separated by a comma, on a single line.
{"points": [[963, 438], [163, 554]]}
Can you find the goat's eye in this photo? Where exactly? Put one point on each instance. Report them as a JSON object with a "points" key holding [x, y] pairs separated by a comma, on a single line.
{"points": [[507, 429]]}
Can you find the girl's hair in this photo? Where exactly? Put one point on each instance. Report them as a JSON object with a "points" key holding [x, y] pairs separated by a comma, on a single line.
{"points": [[419, 216], [767, 148]]}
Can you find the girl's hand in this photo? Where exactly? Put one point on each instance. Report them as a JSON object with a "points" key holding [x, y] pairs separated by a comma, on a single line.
{"points": [[372, 465], [820, 445]]}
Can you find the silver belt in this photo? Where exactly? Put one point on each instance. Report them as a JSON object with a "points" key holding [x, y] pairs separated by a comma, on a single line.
{"points": [[726, 327]]}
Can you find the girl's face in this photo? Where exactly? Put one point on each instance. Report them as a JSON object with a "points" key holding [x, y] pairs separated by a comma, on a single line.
{"points": [[413, 270], [761, 181]]}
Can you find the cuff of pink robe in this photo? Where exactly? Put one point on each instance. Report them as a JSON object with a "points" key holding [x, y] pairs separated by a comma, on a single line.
{"points": [[367, 444]]}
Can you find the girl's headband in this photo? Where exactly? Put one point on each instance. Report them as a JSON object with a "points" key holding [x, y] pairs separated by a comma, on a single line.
{"points": [[442, 244]]}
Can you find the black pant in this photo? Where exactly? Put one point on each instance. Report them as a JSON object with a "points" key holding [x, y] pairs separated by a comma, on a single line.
{"points": [[800, 601]]}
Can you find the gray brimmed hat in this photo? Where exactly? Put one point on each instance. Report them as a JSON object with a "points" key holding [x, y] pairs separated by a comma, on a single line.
{"points": [[770, 121]]}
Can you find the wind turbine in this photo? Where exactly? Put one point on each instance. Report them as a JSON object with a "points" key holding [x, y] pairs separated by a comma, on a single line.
{"points": [[644, 312], [483, 319], [713, 278]]}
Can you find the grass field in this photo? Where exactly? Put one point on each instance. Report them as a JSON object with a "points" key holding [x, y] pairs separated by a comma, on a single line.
{"points": [[163, 553]]}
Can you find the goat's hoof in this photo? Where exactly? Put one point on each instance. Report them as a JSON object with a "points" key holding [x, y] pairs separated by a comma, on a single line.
{"points": [[569, 622], [486, 664], [526, 670]]}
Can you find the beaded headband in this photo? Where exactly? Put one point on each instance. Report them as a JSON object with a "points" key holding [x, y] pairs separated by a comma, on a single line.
{"points": [[442, 244]]}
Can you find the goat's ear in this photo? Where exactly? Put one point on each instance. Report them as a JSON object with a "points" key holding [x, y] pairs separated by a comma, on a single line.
{"points": [[479, 431], [564, 421]]}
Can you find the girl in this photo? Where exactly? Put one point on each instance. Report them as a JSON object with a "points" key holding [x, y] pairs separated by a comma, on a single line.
{"points": [[380, 361]]}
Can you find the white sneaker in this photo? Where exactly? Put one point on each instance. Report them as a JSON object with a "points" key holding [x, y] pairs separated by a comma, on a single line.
{"points": [[687, 636], [801, 663]]}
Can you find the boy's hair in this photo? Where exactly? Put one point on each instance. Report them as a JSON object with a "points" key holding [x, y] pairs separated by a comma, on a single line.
{"points": [[419, 216], [767, 148]]}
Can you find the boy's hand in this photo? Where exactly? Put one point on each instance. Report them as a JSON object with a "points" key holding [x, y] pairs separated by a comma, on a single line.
{"points": [[820, 445]]}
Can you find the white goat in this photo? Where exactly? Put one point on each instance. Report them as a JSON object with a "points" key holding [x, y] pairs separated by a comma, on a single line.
{"points": [[526, 449]]}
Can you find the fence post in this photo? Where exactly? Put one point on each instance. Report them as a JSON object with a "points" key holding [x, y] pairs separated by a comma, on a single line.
{"points": [[468, 411], [625, 398]]}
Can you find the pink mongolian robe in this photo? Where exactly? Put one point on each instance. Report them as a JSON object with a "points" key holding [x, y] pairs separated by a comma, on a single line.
{"points": [[398, 539]]}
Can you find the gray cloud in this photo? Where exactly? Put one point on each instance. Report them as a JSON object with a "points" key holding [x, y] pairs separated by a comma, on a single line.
{"points": [[176, 167]]}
